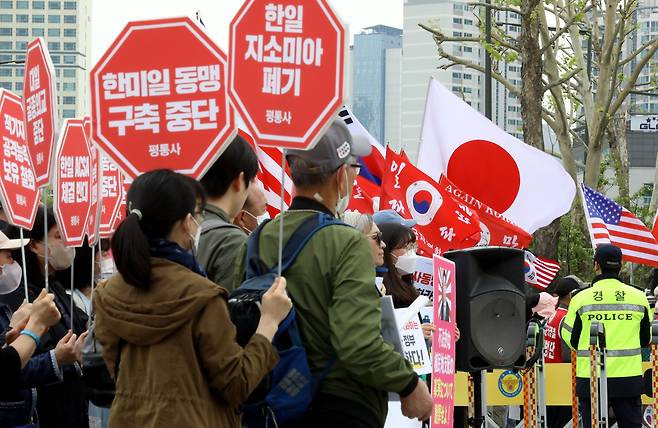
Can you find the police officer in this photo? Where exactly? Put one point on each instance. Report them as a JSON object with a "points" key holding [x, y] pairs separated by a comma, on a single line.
{"points": [[626, 315]]}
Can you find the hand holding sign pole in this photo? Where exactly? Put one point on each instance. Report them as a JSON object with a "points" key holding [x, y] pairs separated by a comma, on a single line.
{"points": [[297, 52]]}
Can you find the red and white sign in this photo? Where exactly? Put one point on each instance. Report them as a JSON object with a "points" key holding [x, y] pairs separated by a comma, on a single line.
{"points": [[40, 102], [286, 69], [94, 212], [121, 213], [111, 196], [18, 189], [72, 189], [159, 98]]}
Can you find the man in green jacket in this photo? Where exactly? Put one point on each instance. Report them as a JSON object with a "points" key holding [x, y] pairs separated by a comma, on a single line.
{"points": [[331, 286], [226, 184], [626, 315]]}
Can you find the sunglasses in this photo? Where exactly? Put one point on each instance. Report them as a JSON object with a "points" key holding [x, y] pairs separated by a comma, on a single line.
{"points": [[377, 237]]}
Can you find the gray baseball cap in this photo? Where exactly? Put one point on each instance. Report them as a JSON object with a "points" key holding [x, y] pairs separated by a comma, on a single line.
{"points": [[335, 148]]}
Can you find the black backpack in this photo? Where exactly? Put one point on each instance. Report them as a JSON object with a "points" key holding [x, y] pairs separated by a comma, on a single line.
{"points": [[285, 394]]}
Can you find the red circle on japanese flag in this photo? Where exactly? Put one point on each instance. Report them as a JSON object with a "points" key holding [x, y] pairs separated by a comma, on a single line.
{"points": [[18, 189], [159, 98], [72, 190], [286, 69], [487, 172], [40, 101]]}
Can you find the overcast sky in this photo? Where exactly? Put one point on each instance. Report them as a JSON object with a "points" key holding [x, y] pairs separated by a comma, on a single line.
{"points": [[110, 16]]}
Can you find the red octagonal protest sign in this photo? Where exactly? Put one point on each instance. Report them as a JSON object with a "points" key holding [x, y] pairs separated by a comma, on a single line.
{"points": [[159, 98], [92, 221], [111, 196], [40, 101], [72, 189], [286, 69], [18, 189]]}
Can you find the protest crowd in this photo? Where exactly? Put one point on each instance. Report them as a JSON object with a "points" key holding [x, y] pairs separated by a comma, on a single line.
{"points": [[258, 274]]}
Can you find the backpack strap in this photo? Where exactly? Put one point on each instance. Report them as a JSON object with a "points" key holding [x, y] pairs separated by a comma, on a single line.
{"points": [[302, 235], [255, 265]]}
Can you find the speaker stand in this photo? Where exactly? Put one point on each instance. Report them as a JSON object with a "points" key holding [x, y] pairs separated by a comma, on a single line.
{"points": [[480, 400]]}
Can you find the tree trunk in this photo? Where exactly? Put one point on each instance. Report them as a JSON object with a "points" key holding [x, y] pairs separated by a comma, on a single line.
{"points": [[546, 239], [616, 135]]}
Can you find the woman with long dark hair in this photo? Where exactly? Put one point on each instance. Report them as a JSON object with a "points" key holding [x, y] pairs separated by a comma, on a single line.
{"points": [[165, 327], [400, 241]]}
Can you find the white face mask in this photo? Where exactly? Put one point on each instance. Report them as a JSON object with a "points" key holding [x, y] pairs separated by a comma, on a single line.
{"points": [[10, 278], [406, 263], [343, 201], [197, 236], [61, 257], [107, 267]]}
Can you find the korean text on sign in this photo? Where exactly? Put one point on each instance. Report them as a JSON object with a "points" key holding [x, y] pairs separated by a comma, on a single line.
{"points": [[16, 161], [133, 113]]}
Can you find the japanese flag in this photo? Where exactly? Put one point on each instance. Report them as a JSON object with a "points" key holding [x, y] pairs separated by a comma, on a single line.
{"points": [[526, 185]]}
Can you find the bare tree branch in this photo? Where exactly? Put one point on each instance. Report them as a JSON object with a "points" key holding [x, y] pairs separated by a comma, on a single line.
{"points": [[630, 83], [562, 80], [565, 28], [636, 52], [494, 6]]}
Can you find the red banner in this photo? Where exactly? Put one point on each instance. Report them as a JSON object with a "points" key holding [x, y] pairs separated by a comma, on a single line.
{"points": [[443, 223]]}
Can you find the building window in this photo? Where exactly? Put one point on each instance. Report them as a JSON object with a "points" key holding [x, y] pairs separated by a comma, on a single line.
{"points": [[21, 46], [68, 113], [468, 22], [38, 5], [5, 17], [54, 32], [38, 19], [6, 72], [6, 85], [69, 59], [6, 45], [54, 5], [468, 49], [69, 5], [68, 100], [69, 19], [23, 32], [56, 59], [69, 72], [20, 72], [21, 4], [6, 4], [5, 58], [69, 46], [18, 86], [53, 46], [54, 19], [69, 32], [69, 86], [468, 90], [38, 32], [7, 31], [468, 77], [456, 20], [23, 19], [456, 75]]}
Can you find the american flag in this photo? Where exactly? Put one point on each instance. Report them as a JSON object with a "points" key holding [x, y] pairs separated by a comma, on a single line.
{"points": [[610, 223], [539, 272]]}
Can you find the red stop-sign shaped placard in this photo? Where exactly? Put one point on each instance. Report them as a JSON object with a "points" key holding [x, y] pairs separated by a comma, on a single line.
{"points": [[40, 102], [18, 189], [286, 69], [92, 221], [72, 189], [159, 98], [111, 196]]}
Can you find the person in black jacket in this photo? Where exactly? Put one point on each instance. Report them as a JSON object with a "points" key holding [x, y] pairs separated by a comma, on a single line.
{"points": [[64, 404]]}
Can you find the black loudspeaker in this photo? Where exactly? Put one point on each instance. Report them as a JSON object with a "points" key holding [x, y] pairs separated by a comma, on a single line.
{"points": [[491, 310]]}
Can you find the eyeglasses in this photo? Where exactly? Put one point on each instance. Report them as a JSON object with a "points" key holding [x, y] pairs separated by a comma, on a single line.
{"points": [[356, 166], [377, 237]]}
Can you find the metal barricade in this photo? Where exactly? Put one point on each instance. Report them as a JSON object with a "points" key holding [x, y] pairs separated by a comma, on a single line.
{"points": [[598, 387]]}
